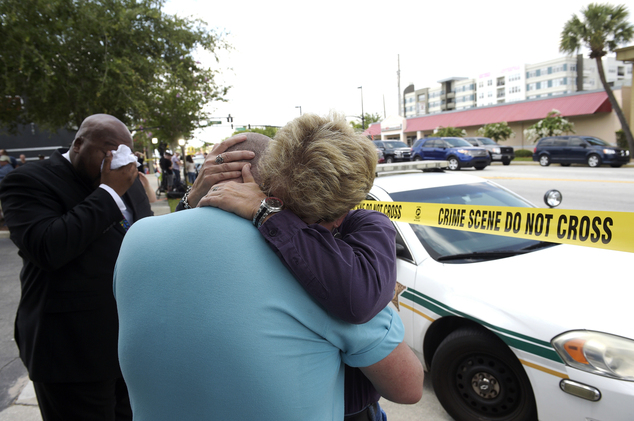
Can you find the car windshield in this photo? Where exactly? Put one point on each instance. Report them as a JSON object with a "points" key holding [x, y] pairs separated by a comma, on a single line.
{"points": [[456, 141], [486, 141], [393, 145], [453, 246], [596, 141]]}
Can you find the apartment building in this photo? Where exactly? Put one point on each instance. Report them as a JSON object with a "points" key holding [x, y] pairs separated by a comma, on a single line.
{"points": [[556, 77], [499, 87], [520, 82], [465, 91]]}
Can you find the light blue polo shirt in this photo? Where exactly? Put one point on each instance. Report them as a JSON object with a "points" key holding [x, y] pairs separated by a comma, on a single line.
{"points": [[213, 326]]}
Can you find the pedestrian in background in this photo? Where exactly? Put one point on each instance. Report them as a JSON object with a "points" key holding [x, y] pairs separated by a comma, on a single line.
{"points": [[68, 215], [176, 169], [190, 167]]}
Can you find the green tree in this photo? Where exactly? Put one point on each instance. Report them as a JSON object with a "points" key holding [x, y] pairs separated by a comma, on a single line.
{"points": [[553, 125], [601, 29], [68, 59], [496, 131], [369, 119], [449, 132]]}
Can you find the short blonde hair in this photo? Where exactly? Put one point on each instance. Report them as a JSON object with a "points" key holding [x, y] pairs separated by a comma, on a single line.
{"points": [[319, 166]]}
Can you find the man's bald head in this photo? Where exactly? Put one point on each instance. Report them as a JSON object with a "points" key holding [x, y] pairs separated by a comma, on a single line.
{"points": [[97, 135], [257, 143]]}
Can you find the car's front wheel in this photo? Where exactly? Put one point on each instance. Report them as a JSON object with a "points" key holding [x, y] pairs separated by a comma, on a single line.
{"points": [[454, 164], [506, 162], [417, 158], [476, 377], [389, 159], [544, 160], [594, 160]]}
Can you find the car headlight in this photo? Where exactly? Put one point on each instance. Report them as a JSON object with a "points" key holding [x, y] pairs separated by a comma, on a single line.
{"points": [[609, 151], [496, 150], [599, 353], [464, 151]]}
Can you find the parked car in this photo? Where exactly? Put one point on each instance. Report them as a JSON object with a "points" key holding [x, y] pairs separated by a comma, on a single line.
{"points": [[394, 150], [198, 161], [566, 150], [510, 328], [455, 150], [505, 154]]}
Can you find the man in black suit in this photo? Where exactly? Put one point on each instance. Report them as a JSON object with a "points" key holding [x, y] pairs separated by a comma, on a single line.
{"points": [[68, 216]]}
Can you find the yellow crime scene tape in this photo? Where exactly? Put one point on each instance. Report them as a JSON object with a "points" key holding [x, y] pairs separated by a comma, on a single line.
{"points": [[606, 230]]}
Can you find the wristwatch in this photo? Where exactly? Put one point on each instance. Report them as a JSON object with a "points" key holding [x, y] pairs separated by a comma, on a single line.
{"points": [[268, 206]]}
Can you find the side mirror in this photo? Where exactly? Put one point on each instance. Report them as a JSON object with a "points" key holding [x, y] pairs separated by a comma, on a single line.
{"points": [[553, 198]]}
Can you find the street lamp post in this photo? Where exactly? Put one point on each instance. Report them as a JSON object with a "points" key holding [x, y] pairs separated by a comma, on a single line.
{"points": [[362, 115], [300, 109]]}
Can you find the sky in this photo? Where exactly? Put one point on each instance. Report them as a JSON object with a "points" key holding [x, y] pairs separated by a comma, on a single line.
{"points": [[315, 55]]}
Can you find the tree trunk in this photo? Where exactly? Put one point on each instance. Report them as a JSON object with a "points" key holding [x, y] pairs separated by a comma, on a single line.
{"points": [[615, 106]]}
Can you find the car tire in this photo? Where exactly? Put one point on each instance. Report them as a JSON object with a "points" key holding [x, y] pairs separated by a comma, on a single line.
{"points": [[454, 163], [389, 159], [506, 162], [544, 160], [594, 160], [476, 377], [417, 158]]}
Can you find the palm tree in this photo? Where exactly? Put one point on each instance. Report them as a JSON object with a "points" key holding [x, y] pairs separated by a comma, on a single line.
{"points": [[604, 27]]}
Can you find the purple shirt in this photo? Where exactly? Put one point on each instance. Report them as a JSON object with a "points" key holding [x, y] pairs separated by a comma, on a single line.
{"points": [[352, 275]]}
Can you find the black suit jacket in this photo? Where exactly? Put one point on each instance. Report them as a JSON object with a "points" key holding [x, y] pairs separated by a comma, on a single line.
{"points": [[69, 237]]}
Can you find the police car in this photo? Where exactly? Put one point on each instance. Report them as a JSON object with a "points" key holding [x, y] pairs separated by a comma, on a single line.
{"points": [[510, 328]]}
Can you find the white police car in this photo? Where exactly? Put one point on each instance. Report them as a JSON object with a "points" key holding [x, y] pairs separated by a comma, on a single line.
{"points": [[509, 328]]}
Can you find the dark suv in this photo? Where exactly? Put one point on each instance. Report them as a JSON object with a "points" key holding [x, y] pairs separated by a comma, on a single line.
{"points": [[393, 150], [566, 150], [498, 153], [457, 151]]}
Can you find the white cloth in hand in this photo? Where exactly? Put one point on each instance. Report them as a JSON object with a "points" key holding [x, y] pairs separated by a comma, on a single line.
{"points": [[122, 156]]}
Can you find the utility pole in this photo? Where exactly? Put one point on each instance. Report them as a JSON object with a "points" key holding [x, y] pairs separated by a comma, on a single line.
{"points": [[362, 114], [398, 80]]}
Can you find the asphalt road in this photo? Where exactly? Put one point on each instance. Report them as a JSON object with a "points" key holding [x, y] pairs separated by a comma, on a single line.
{"points": [[11, 368]]}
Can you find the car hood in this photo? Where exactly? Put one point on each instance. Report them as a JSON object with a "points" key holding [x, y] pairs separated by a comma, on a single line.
{"points": [[548, 291]]}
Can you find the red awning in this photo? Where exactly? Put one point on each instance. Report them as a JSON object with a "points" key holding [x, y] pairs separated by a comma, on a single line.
{"points": [[570, 105], [374, 130]]}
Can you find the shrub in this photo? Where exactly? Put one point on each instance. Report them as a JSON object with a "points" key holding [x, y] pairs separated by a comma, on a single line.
{"points": [[523, 153], [621, 140]]}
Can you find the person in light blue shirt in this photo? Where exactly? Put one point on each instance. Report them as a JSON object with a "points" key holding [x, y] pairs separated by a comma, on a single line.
{"points": [[227, 333]]}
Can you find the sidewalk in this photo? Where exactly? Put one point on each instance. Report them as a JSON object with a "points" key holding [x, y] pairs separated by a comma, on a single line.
{"points": [[25, 407]]}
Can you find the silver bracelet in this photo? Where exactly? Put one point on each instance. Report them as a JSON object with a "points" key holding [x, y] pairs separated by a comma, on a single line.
{"points": [[184, 199]]}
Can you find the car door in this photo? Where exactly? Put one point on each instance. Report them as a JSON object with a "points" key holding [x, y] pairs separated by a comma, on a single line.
{"points": [[559, 151], [576, 150], [437, 149]]}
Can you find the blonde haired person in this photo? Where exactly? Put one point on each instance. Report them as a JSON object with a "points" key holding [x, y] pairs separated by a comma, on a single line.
{"points": [[320, 168]]}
